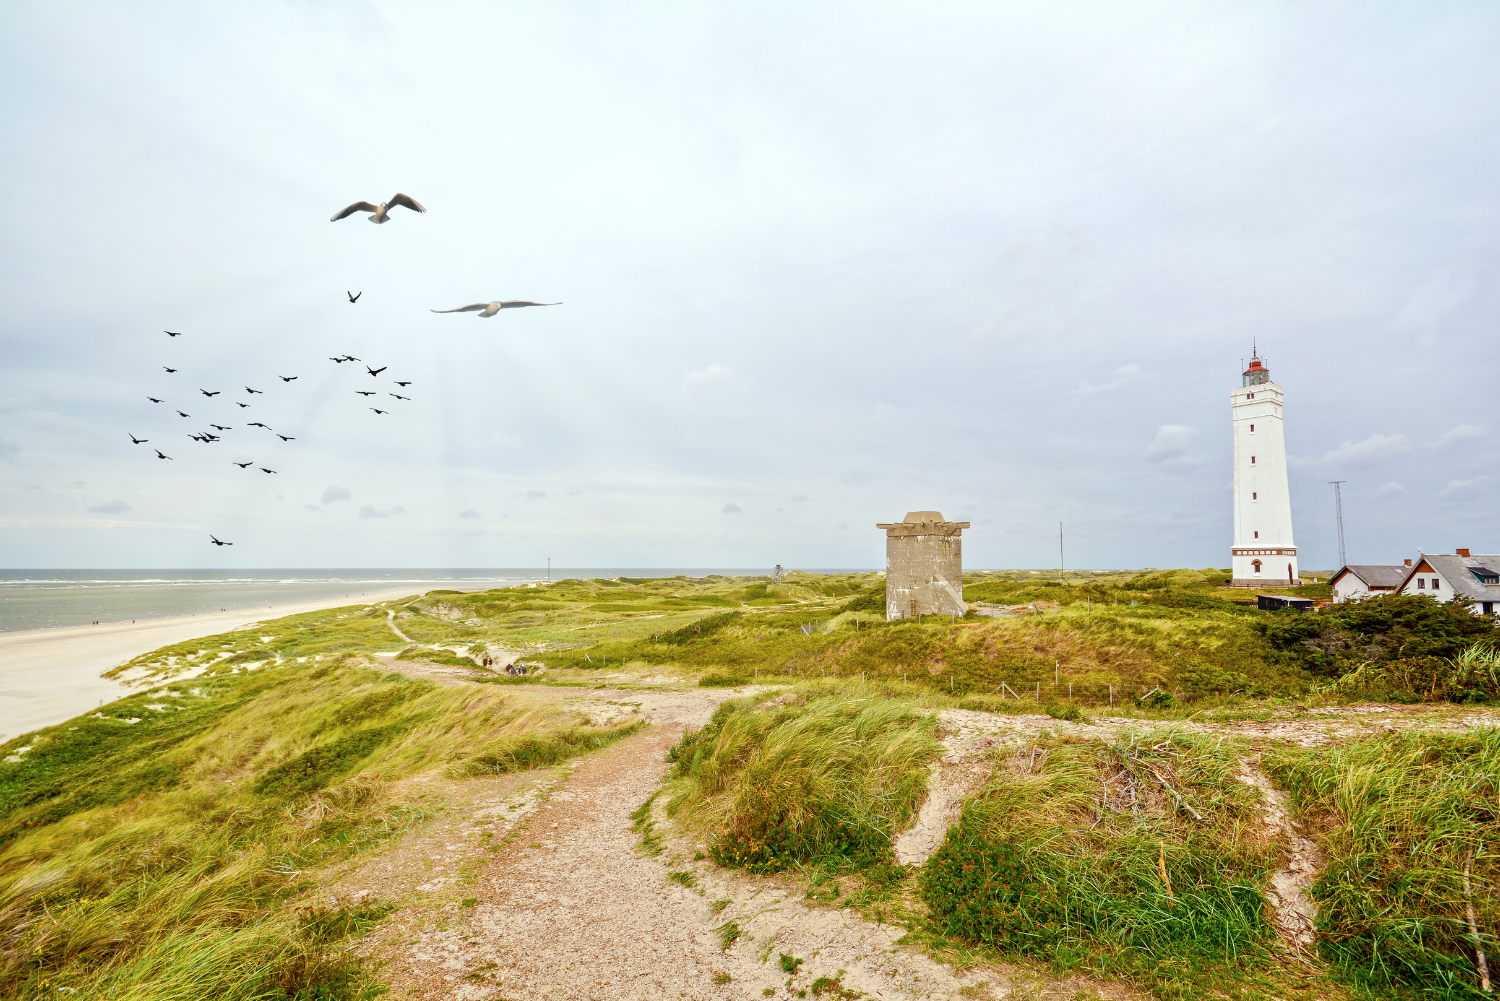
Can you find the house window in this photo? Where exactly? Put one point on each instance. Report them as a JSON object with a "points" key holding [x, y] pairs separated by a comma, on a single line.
{"points": [[1435, 582], [1422, 583], [1255, 565]]}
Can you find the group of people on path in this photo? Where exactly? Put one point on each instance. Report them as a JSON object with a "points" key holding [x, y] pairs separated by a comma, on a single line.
{"points": [[517, 669]]}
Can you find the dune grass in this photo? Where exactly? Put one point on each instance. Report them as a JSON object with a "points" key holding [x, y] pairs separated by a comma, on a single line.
{"points": [[1401, 816], [161, 848], [824, 775]]}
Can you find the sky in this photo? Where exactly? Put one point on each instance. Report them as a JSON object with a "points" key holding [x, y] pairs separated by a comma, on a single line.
{"points": [[819, 265]]}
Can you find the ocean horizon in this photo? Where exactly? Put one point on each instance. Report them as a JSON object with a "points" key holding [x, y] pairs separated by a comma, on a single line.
{"points": [[49, 598]]}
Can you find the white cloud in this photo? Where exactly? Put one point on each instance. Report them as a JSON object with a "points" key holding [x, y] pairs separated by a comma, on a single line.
{"points": [[470, 513], [369, 511], [110, 507], [732, 508], [398, 509], [1463, 489], [1117, 378], [1171, 443], [1372, 451], [534, 494], [1462, 433], [336, 494], [1387, 489], [313, 508]]}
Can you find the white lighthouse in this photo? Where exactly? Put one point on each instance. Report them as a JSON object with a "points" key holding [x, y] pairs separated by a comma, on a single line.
{"points": [[1264, 554]]}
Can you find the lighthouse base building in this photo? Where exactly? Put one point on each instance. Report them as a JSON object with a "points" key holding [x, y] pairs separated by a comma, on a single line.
{"points": [[1264, 553]]}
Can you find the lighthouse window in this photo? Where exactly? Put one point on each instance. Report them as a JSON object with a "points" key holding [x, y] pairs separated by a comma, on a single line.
{"points": [[1255, 564], [1252, 460], [1249, 396], [1257, 535], [1252, 429], [1252, 495]]}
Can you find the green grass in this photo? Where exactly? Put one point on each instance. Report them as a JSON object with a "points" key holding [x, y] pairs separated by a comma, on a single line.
{"points": [[826, 778], [1400, 816], [1062, 856]]}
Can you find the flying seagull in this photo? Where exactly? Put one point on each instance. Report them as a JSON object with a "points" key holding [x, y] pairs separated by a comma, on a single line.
{"points": [[207, 393], [352, 296], [365, 392], [218, 543], [249, 390], [284, 437], [380, 411], [153, 399], [398, 396], [339, 360], [160, 456], [263, 469], [352, 358], [242, 465], [376, 371], [257, 424], [196, 438], [219, 427], [381, 211], [491, 308], [171, 333], [137, 441], [407, 383], [286, 378], [181, 414], [239, 404], [169, 369]]}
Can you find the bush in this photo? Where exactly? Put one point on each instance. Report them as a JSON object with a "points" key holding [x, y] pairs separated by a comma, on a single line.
{"points": [[1336, 640], [870, 600]]}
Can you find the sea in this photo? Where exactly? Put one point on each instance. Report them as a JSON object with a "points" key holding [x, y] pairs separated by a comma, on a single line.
{"points": [[46, 599]]}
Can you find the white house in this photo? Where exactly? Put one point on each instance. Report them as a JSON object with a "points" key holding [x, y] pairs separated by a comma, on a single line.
{"points": [[1355, 582], [1264, 553], [1468, 578]]}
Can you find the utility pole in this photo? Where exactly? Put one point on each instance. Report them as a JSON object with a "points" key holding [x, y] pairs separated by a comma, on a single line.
{"points": [[1338, 505], [549, 568], [1062, 560]]}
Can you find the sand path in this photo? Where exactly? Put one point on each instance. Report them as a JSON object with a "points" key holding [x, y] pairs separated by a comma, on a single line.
{"points": [[51, 675], [536, 886]]}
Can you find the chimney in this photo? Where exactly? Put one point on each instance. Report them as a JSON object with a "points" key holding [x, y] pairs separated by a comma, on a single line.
{"points": [[1462, 552], [1407, 562]]}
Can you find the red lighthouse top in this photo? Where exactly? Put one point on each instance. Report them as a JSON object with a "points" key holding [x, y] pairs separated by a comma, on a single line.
{"points": [[1257, 373]]}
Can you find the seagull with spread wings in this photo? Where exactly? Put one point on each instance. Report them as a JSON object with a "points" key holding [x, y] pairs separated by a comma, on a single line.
{"points": [[218, 543], [160, 456], [172, 333], [381, 212], [491, 308], [138, 441]]}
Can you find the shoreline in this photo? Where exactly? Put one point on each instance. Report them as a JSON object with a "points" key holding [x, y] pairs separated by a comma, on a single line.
{"points": [[52, 674]]}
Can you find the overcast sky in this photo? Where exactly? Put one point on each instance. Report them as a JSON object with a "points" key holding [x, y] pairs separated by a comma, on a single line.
{"points": [[820, 265]]}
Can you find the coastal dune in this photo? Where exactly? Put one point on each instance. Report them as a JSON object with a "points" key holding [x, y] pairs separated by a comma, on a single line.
{"points": [[51, 675]]}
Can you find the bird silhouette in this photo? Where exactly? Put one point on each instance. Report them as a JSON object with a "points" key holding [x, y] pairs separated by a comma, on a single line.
{"points": [[210, 395], [219, 427], [407, 383], [211, 437], [263, 469], [381, 211], [218, 543], [352, 358], [153, 399], [365, 392], [196, 438], [286, 378], [239, 404], [338, 360], [242, 465], [181, 414], [491, 308], [171, 333], [249, 390], [398, 396], [257, 424], [160, 456], [137, 441], [284, 437], [380, 411], [376, 371], [169, 369], [352, 296]]}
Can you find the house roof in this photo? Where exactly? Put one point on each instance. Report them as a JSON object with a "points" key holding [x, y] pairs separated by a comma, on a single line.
{"points": [[1456, 571], [1377, 575]]}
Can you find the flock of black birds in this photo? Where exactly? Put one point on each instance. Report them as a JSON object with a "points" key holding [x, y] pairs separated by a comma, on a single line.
{"points": [[379, 214]]}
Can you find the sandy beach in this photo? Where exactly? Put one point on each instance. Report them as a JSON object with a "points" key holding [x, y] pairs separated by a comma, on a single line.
{"points": [[51, 675]]}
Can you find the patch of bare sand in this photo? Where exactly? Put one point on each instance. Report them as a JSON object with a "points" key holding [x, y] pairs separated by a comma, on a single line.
{"points": [[1293, 910]]}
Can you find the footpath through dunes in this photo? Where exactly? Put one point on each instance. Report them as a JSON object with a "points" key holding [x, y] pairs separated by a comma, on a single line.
{"points": [[540, 885]]}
